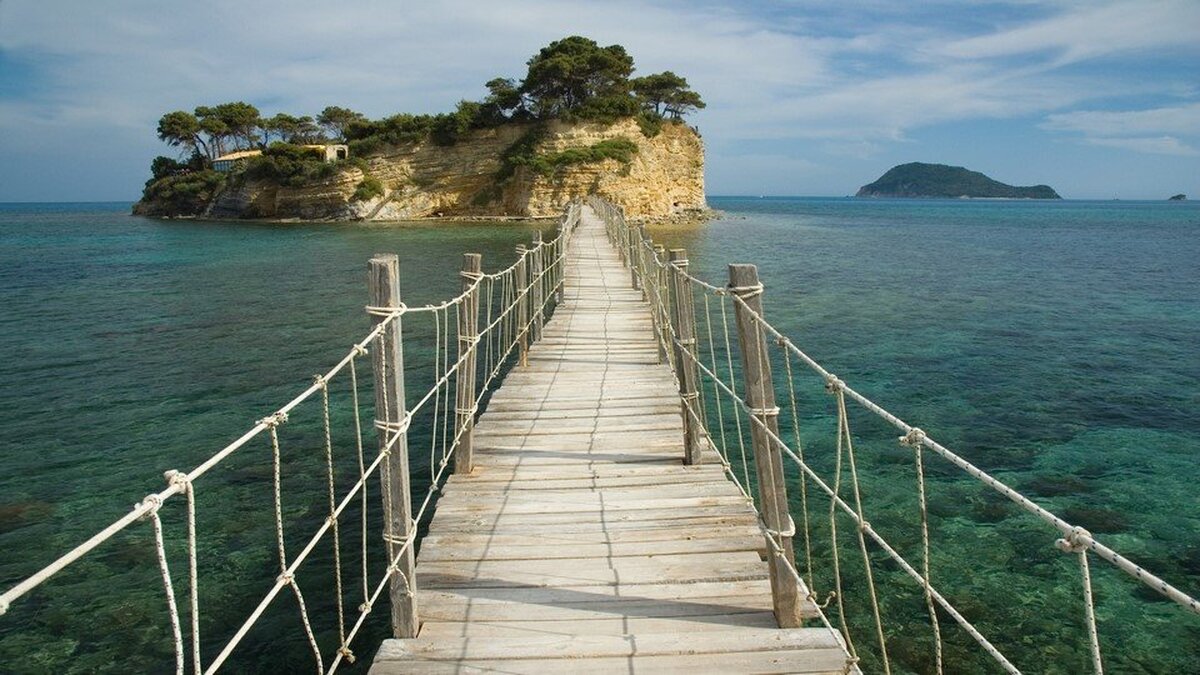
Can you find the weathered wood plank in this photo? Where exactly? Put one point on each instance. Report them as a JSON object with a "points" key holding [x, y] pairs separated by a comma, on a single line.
{"points": [[598, 646]]}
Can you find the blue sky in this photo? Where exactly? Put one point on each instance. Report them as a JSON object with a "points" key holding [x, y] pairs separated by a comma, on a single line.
{"points": [[1098, 99]]}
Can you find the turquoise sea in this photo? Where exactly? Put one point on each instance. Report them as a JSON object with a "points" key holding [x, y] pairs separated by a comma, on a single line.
{"points": [[1054, 344]]}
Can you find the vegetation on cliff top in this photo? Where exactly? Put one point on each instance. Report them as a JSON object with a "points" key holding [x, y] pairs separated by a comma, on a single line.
{"points": [[917, 179], [573, 79]]}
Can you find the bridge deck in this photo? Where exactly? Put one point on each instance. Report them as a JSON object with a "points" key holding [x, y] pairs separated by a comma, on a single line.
{"points": [[581, 541]]}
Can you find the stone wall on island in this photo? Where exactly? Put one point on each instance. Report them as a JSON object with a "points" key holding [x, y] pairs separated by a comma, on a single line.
{"points": [[663, 179]]}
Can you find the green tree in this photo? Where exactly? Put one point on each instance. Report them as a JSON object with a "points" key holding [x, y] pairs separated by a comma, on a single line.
{"points": [[503, 102], [336, 120], [568, 73], [306, 131], [238, 121], [215, 127], [666, 93], [183, 129]]}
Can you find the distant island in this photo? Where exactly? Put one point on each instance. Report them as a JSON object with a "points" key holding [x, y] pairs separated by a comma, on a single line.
{"points": [[917, 179], [577, 124], [1178, 198]]}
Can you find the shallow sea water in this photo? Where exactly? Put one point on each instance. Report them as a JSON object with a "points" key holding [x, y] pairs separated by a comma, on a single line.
{"points": [[1053, 344]]}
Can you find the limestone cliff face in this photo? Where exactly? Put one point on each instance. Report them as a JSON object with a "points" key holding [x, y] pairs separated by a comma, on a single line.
{"points": [[665, 177]]}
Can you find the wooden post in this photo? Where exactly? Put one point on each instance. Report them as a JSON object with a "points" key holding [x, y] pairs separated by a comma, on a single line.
{"points": [[539, 286], [387, 359], [643, 263], [662, 318], [687, 371], [768, 462], [634, 248], [522, 299], [468, 352]]}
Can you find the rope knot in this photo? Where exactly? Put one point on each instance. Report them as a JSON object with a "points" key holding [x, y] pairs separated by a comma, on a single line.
{"points": [[286, 578], [915, 438], [1078, 541], [365, 608], [274, 420], [178, 478], [360, 350], [153, 503], [320, 381], [346, 653], [833, 385], [865, 526]]}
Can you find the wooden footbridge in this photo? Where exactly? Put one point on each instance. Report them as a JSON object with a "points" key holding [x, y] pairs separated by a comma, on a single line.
{"points": [[580, 533], [610, 447]]}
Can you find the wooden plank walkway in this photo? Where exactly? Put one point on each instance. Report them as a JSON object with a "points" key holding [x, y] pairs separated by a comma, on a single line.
{"points": [[581, 542]]}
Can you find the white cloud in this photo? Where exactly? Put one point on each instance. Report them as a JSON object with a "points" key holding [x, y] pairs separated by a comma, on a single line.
{"points": [[1160, 145], [1182, 119], [1091, 30]]}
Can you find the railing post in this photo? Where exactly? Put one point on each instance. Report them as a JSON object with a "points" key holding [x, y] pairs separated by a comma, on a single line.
{"points": [[632, 257], [683, 320], [662, 314], [387, 360], [539, 286], [468, 351], [643, 266], [522, 299], [768, 461]]}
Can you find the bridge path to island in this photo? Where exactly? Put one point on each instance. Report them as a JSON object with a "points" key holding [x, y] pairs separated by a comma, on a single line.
{"points": [[606, 491], [580, 541]]}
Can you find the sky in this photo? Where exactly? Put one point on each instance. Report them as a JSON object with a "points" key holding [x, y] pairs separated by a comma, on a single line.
{"points": [[1099, 99]]}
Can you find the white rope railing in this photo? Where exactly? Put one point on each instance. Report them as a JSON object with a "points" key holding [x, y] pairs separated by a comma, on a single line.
{"points": [[708, 408], [498, 337]]}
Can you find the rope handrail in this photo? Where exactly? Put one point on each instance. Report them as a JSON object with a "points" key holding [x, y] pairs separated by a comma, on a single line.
{"points": [[500, 335], [649, 267]]}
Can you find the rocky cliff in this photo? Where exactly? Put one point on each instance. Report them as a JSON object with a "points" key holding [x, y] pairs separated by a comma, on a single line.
{"points": [[477, 177]]}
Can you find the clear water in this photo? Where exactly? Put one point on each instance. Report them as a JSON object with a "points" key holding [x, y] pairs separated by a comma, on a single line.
{"points": [[1054, 344]]}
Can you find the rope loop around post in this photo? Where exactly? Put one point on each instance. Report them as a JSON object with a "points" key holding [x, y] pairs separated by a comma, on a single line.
{"points": [[746, 291], [394, 427], [765, 412], [915, 438], [789, 531], [470, 276], [374, 310], [1077, 541]]}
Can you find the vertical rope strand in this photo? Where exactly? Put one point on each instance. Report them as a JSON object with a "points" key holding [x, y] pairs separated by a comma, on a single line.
{"points": [[914, 439], [863, 526], [791, 385], [168, 588], [362, 476]]}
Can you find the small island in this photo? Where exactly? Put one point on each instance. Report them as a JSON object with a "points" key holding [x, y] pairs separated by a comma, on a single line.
{"points": [[918, 179], [578, 123], [1178, 198]]}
